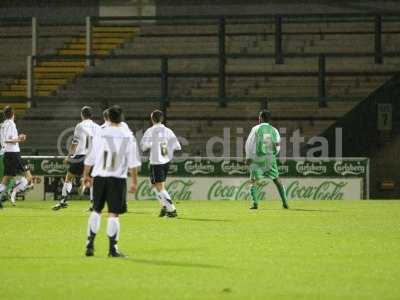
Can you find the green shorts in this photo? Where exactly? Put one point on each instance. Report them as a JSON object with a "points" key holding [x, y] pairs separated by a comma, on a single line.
{"points": [[264, 169]]}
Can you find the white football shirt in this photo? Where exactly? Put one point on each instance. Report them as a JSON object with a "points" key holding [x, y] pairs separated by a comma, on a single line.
{"points": [[83, 136], [162, 143], [9, 132], [114, 151], [1, 139], [122, 124]]}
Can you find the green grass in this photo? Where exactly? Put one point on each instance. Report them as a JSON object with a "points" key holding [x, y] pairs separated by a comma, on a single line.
{"points": [[215, 250]]}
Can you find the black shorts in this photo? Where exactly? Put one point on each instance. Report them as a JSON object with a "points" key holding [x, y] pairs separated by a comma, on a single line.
{"points": [[111, 190], [76, 165], [159, 173], [13, 164]]}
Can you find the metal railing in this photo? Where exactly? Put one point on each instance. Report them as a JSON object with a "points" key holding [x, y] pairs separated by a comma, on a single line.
{"points": [[221, 21], [165, 75], [222, 56]]}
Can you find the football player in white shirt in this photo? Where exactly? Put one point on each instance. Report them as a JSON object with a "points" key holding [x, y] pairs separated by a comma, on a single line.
{"points": [[107, 121], [2, 118], [114, 153], [80, 146], [5, 194], [162, 142], [13, 163]]}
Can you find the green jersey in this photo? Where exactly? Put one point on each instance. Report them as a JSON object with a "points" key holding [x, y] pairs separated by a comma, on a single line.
{"points": [[267, 137], [262, 147]]}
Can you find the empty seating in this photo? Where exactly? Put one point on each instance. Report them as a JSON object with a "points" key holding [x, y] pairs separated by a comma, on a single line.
{"points": [[291, 88]]}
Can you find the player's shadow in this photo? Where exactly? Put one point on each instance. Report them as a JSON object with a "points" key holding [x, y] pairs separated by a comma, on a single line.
{"points": [[302, 209], [153, 262], [167, 263], [203, 220], [139, 213], [37, 257], [319, 210]]}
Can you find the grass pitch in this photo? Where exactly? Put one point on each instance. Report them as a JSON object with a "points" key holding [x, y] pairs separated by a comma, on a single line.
{"points": [[214, 250]]}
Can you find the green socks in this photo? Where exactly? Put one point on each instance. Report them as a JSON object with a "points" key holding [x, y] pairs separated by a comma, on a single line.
{"points": [[281, 190], [282, 193], [253, 193]]}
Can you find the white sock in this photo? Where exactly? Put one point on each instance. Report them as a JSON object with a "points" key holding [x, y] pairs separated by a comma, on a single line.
{"points": [[93, 223], [113, 227], [167, 200], [91, 194], [66, 189], [20, 185], [159, 198], [2, 188]]}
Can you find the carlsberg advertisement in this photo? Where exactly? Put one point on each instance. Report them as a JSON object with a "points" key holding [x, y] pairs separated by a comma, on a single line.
{"points": [[228, 179]]}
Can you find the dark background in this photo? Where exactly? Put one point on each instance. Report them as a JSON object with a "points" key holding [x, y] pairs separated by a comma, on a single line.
{"points": [[74, 10], [67, 11], [188, 7]]}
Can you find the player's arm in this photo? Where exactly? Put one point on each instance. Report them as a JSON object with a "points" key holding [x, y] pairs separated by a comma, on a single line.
{"points": [[277, 147], [87, 180], [12, 136], [90, 160], [146, 142], [277, 142], [72, 148], [19, 139], [74, 144], [75, 141], [250, 146], [173, 141], [134, 162], [134, 175]]}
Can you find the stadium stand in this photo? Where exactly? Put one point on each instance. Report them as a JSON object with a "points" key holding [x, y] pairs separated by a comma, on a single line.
{"points": [[53, 74], [292, 88]]}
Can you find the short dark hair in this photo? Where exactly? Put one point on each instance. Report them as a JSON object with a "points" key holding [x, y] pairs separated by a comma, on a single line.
{"points": [[8, 112], [115, 114], [157, 116], [265, 115], [86, 112], [106, 114]]}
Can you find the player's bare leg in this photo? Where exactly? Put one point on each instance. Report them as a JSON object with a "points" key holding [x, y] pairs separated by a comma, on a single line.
{"points": [[3, 188], [90, 199], [66, 190], [168, 208], [113, 229], [282, 192], [4, 182], [6, 187], [21, 185], [5, 193], [85, 191], [157, 187]]}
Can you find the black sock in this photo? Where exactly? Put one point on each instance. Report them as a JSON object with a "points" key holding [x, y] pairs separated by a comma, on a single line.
{"points": [[113, 243], [90, 240]]}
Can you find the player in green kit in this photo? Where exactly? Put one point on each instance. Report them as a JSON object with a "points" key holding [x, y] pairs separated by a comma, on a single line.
{"points": [[262, 149]]}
